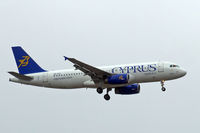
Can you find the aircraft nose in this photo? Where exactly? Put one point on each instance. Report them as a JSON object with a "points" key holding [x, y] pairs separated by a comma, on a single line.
{"points": [[183, 72]]}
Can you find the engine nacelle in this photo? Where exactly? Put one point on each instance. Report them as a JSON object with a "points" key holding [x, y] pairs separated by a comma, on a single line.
{"points": [[118, 79], [128, 90]]}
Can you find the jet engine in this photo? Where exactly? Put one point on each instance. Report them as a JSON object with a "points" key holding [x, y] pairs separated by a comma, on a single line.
{"points": [[118, 79], [128, 90]]}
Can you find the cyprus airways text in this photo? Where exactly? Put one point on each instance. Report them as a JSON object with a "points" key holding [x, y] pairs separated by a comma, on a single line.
{"points": [[135, 69]]}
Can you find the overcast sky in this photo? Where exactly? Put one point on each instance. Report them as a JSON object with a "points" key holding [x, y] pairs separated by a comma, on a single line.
{"points": [[104, 32]]}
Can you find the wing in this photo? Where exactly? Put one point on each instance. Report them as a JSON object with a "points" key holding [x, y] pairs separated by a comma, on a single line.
{"points": [[93, 72]]}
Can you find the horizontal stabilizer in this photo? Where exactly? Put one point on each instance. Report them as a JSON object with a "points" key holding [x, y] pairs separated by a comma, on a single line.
{"points": [[20, 76]]}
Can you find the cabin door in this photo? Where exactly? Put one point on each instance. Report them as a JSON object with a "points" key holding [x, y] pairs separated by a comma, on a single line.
{"points": [[160, 67]]}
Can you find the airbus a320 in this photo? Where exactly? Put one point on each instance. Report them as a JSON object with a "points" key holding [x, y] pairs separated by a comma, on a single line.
{"points": [[124, 79]]}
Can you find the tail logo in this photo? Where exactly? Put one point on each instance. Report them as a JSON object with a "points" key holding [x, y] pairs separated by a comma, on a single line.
{"points": [[24, 62]]}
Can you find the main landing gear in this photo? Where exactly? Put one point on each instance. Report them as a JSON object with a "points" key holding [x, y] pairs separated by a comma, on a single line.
{"points": [[162, 85], [99, 90], [106, 96]]}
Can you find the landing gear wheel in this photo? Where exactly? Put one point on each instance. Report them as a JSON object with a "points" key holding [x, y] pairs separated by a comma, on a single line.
{"points": [[162, 85], [100, 90], [107, 97], [163, 89]]}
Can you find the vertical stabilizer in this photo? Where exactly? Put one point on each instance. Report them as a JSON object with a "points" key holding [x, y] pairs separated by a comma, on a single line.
{"points": [[25, 63]]}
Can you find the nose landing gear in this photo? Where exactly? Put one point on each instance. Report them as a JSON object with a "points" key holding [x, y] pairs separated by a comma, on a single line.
{"points": [[162, 85]]}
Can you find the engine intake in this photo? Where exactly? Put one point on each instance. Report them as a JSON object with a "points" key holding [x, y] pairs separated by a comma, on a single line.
{"points": [[128, 90]]}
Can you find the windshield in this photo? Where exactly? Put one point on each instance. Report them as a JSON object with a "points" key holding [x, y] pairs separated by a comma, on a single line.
{"points": [[174, 65]]}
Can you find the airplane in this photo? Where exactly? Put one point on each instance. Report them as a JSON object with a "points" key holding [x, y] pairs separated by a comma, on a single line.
{"points": [[124, 79]]}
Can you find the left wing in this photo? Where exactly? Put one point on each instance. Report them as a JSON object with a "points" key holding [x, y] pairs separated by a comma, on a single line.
{"points": [[93, 72]]}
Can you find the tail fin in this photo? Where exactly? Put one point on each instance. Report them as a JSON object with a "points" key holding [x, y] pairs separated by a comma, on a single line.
{"points": [[25, 63]]}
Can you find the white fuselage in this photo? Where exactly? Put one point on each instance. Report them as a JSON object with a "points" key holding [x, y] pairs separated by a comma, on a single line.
{"points": [[139, 73]]}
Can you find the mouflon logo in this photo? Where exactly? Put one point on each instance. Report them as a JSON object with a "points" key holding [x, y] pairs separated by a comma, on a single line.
{"points": [[121, 77], [24, 62]]}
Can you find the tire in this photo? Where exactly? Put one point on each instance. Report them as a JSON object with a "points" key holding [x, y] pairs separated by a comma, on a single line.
{"points": [[107, 97], [99, 90], [163, 89]]}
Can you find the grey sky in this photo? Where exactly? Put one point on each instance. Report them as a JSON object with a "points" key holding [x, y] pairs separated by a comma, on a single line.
{"points": [[102, 32]]}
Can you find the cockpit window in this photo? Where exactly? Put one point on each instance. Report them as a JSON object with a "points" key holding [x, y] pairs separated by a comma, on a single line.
{"points": [[174, 66]]}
